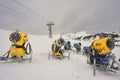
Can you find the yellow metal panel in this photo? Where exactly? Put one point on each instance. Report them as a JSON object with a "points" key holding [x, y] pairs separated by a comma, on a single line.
{"points": [[101, 46], [17, 52], [57, 53]]}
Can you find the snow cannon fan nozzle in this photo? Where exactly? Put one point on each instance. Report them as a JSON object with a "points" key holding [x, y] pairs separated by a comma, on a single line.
{"points": [[15, 37], [18, 38]]}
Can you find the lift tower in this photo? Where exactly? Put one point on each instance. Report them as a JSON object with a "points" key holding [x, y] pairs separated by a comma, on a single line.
{"points": [[50, 24]]}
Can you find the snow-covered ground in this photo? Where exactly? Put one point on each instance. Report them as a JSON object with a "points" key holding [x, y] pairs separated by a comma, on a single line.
{"points": [[43, 69]]}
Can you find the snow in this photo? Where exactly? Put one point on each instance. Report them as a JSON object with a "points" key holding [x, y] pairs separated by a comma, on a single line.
{"points": [[82, 33], [43, 69], [74, 35]]}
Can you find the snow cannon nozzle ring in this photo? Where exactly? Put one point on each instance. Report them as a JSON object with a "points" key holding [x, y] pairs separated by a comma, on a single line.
{"points": [[14, 37]]}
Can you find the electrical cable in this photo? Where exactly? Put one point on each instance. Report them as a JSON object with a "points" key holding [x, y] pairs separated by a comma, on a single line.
{"points": [[17, 11], [30, 10]]}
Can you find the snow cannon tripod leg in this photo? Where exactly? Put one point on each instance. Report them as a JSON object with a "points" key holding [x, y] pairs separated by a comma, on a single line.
{"points": [[31, 53], [94, 63], [49, 55], [88, 59], [30, 59], [69, 56], [94, 67], [5, 56]]}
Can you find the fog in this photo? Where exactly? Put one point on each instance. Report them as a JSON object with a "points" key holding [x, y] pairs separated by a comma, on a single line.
{"points": [[92, 16]]}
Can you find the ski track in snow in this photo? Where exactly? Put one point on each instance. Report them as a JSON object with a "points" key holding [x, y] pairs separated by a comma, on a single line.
{"points": [[43, 69]]}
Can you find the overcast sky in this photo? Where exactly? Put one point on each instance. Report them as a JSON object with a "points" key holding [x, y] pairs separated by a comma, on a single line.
{"points": [[91, 16]]}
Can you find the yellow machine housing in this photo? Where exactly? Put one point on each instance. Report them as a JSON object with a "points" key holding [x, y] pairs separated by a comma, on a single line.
{"points": [[18, 40], [104, 45], [57, 53]]}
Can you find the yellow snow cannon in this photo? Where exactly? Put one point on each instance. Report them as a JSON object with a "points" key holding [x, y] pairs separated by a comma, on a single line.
{"points": [[18, 40], [20, 47], [101, 55], [104, 45], [58, 51]]}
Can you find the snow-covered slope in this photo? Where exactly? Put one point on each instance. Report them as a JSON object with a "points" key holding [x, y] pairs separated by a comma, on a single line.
{"points": [[4, 41], [43, 69]]}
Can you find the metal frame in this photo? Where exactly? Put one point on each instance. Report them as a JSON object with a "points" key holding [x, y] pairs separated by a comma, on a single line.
{"points": [[109, 67], [19, 59]]}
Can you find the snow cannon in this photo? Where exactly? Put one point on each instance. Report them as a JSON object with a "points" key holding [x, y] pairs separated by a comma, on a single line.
{"points": [[77, 46], [101, 55], [57, 51], [103, 46], [20, 47], [18, 40], [61, 41], [67, 45], [87, 50]]}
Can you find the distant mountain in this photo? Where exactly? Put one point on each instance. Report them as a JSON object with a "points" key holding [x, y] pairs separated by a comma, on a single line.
{"points": [[80, 34]]}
